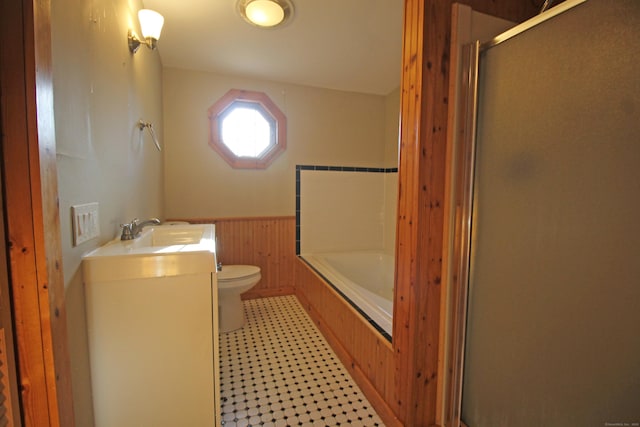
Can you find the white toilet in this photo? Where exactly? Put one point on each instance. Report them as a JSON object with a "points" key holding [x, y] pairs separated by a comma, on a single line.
{"points": [[232, 281]]}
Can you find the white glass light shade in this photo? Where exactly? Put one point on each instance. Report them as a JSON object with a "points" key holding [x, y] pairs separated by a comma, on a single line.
{"points": [[150, 23], [265, 13]]}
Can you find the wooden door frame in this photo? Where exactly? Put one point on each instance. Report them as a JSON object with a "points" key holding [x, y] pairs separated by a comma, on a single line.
{"points": [[421, 239], [31, 213]]}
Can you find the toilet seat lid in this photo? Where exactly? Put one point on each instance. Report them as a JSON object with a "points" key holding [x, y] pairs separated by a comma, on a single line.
{"points": [[231, 272]]}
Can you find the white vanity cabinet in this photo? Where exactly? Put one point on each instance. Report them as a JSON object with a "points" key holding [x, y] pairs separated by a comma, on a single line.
{"points": [[153, 340]]}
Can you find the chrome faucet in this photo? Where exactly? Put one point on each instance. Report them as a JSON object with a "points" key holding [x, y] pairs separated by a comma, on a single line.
{"points": [[133, 229]]}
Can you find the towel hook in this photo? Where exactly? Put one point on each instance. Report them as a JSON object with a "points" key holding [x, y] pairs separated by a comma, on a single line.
{"points": [[142, 124]]}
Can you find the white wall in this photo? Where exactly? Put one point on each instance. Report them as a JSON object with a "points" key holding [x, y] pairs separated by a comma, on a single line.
{"points": [[341, 211], [325, 127], [100, 92], [392, 128], [392, 145], [345, 210]]}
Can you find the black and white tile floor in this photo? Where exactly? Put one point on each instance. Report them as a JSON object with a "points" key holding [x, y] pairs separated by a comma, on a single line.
{"points": [[279, 371]]}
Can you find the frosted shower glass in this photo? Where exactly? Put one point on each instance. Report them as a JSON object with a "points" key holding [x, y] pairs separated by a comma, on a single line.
{"points": [[553, 327]]}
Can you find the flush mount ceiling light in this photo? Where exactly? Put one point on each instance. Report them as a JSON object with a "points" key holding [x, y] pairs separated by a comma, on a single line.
{"points": [[265, 13], [151, 23]]}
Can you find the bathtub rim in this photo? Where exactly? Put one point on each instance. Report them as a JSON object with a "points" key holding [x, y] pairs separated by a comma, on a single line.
{"points": [[366, 316]]}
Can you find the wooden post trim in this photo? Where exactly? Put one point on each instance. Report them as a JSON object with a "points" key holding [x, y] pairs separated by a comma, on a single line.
{"points": [[32, 222]]}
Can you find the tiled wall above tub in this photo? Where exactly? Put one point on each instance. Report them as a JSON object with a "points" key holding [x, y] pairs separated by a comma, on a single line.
{"points": [[344, 208]]}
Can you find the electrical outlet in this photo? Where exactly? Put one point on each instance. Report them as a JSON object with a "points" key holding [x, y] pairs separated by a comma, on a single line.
{"points": [[86, 224]]}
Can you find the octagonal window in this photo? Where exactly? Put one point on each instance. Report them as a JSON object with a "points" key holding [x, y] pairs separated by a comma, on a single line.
{"points": [[247, 129]]}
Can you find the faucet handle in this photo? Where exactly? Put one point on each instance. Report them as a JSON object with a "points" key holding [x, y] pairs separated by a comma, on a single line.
{"points": [[127, 231]]}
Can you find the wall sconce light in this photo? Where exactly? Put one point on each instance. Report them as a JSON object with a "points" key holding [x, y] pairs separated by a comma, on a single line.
{"points": [[151, 25], [265, 13]]}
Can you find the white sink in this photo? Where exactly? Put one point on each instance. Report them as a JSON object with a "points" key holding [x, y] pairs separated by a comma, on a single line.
{"points": [[172, 235], [162, 250]]}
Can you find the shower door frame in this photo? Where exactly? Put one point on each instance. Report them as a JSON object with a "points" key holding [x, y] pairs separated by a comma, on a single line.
{"points": [[460, 210]]}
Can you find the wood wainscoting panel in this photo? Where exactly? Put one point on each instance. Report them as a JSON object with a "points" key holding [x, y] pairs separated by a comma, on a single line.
{"points": [[366, 354], [268, 242]]}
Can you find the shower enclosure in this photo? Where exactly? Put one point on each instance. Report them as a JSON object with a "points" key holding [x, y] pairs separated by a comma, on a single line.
{"points": [[549, 224]]}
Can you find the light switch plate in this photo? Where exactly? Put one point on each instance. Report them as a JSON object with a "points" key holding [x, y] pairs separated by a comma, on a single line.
{"points": [[86, 223]]}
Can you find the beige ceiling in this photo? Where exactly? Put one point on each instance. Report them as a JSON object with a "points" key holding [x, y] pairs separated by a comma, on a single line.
{"points": [[351, 45]]}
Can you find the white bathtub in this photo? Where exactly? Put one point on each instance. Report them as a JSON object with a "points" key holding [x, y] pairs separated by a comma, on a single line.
{"points": [[364, 278]]}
